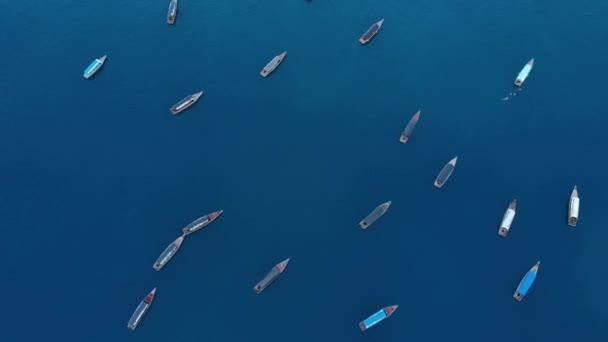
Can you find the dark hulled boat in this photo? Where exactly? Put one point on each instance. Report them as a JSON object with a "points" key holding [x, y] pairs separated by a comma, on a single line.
{"points": [[271, 276]]}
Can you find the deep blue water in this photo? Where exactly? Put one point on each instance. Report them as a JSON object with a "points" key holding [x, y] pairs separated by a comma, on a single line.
{"points": [[98, 177]]}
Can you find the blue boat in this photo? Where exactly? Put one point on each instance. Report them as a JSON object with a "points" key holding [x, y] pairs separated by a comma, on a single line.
{"points": [[526, 283], [94, 67], [377, 317]]}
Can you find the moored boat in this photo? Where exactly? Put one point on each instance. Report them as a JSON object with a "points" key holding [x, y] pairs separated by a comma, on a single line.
{"points": [[409, 128], [523, 74], [141, 310], [172, 12], [526, 283], [185, 103], [168, 253], [507, 219], [201, 222], [375, 215], [445, 173], [271, 276], [371, 32], [273, 64], [573, 207], [94, 67], [377, 317]]}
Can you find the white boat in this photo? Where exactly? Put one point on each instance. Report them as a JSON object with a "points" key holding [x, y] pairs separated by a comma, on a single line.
{"points": [[273, 64], [573, 208], [507, 219], [523, 74]]}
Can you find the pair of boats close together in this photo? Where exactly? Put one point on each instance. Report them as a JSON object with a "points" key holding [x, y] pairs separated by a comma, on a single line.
{"points": [[573, 209], [373, 30], [189, 100], [380, 210], [145, 304], [363, 325], [164, 258]]}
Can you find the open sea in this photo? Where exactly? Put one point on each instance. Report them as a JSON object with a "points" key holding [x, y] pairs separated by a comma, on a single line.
{"points": [[98, 177]]}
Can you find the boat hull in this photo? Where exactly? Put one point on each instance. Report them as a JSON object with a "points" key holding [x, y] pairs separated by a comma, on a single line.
{"points": [[172, 12], [168, 253], [201, 222], [526, 283], [273, 64], [507, 220], [94, 67], [371, 32], [523, 74], [185, 103], [141, 310], [409, 128], [445, 173], [270, 277], [505, 225], [374, 215], [377, 317], [573, 208]]}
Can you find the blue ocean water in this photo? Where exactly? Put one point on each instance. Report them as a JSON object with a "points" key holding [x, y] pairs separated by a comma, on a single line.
{"points": [[98, 177]]}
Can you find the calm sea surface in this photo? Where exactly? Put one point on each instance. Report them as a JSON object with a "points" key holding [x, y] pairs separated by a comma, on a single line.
{"points": [[98, 177]]}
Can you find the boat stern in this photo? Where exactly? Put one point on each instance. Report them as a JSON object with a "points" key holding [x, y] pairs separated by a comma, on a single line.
{"points": [[362, 326], [502, 231], [518, 82], [518, 296]]}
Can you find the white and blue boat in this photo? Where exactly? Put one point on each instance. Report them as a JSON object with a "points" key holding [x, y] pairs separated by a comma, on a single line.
{"points": [[523, 74], [377, 317], [94, 67], [526, 283]]}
